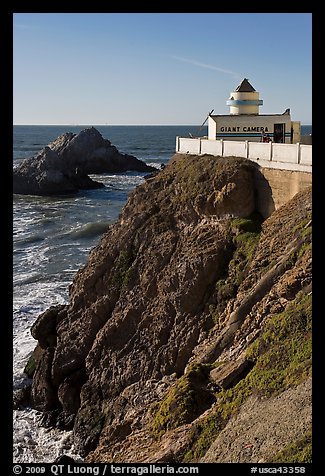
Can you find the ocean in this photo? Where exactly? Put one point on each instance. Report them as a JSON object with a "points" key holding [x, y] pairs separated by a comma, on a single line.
{"points": [[52, 237]]}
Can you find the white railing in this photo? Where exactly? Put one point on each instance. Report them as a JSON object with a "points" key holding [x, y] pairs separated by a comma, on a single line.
{"points": [[270, 154]]}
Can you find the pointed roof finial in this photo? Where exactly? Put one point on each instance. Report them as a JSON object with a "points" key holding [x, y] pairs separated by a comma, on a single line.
{"points": [[245, 87]]}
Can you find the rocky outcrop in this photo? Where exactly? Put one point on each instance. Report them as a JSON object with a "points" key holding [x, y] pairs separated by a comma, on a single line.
{"points": [[227, 374], [182, 312], [63, 166]]}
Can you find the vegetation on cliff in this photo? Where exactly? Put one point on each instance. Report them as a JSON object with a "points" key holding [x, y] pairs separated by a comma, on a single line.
{"points": [[185, 401], [299, 451], [281, 357], [245, 234]]}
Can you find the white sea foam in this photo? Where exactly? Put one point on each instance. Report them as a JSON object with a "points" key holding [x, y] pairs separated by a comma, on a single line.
{"points": [[35, 444], [31, 442]]}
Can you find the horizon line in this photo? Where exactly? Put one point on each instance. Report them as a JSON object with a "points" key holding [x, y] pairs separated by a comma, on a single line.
{"points": [[121, 125], [77, 125]]}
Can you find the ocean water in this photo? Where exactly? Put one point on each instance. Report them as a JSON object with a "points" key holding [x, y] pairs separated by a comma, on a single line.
{"points": [[52, 237]]}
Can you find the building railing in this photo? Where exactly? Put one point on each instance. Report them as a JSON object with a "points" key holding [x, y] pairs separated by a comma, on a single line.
{"points": [[267, 154]]}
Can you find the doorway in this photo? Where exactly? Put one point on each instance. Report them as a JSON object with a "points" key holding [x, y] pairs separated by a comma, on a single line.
{"points": [[278, 132]]}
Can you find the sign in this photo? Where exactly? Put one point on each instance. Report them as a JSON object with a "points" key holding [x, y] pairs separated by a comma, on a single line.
{"points": [[244, 129]]}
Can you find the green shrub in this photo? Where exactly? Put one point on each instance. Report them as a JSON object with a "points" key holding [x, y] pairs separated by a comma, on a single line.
{"points": [[122, 271]]}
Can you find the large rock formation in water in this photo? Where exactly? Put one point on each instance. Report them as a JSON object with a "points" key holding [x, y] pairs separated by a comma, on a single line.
{"points": [[190, 319], [63, 166]]}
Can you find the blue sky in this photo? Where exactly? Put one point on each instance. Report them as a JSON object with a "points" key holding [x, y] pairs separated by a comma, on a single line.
{"points": [[157, 68]]}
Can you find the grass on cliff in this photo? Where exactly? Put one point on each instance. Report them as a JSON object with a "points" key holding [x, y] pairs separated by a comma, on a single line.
{"points": [[122, 269], [246, 233], [304, 229], [183, 402], [198, 176], [282, 357], [299, 451]]}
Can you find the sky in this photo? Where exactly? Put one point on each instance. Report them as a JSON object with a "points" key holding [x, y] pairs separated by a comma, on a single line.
{"points": [[157, 68]]}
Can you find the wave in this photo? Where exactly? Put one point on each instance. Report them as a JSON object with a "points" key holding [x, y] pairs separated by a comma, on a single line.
{"points": [[28, 278], [27, 148], [29, 239], [89, 230], [155, 164]]}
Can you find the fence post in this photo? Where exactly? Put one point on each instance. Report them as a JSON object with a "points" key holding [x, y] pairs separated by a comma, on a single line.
{"points": [[221, 147], [271, 150], [247, 146], [298, 152], [177, 143]]}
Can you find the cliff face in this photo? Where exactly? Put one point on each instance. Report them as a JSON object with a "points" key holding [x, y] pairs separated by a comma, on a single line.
{"points": [[188, 309]]}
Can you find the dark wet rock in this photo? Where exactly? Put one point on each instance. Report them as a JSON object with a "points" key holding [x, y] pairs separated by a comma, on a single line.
{"points": [[44, 327], [44, 395], [49, 418], [65, 421], [33, 360], [42, 175], [64, 459], [69, 391], [22, 396]]}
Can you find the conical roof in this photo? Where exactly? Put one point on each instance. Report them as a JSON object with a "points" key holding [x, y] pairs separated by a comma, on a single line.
{"points": [[245, 87]]}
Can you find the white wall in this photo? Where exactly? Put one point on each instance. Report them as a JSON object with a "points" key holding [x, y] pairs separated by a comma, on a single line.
{"points": [[305, 154], [212, 128], [191, 146], [260, 150], [241, 108], [282, 156], [213, 147], [285, 153], [235, 148]]}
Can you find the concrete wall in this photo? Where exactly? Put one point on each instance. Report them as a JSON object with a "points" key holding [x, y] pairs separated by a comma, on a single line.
{"points": [[238, 149], [305, 154], [188, 146], [283, 153], [295, 157], [276, 187], [259, 150], [296, 132], [210, 147]]}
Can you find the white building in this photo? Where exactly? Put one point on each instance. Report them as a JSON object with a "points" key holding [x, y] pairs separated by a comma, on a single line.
{"points": [[245, 123]]}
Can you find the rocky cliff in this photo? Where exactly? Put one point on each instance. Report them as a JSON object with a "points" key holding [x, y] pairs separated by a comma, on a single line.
{"points": [[187, 336]]}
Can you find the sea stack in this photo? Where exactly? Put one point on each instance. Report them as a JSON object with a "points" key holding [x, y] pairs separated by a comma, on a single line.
{"points": [[63, 166]]}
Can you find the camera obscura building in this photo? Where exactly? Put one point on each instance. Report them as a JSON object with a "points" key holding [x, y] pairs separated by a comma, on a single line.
{"points": [[245, 123]]}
